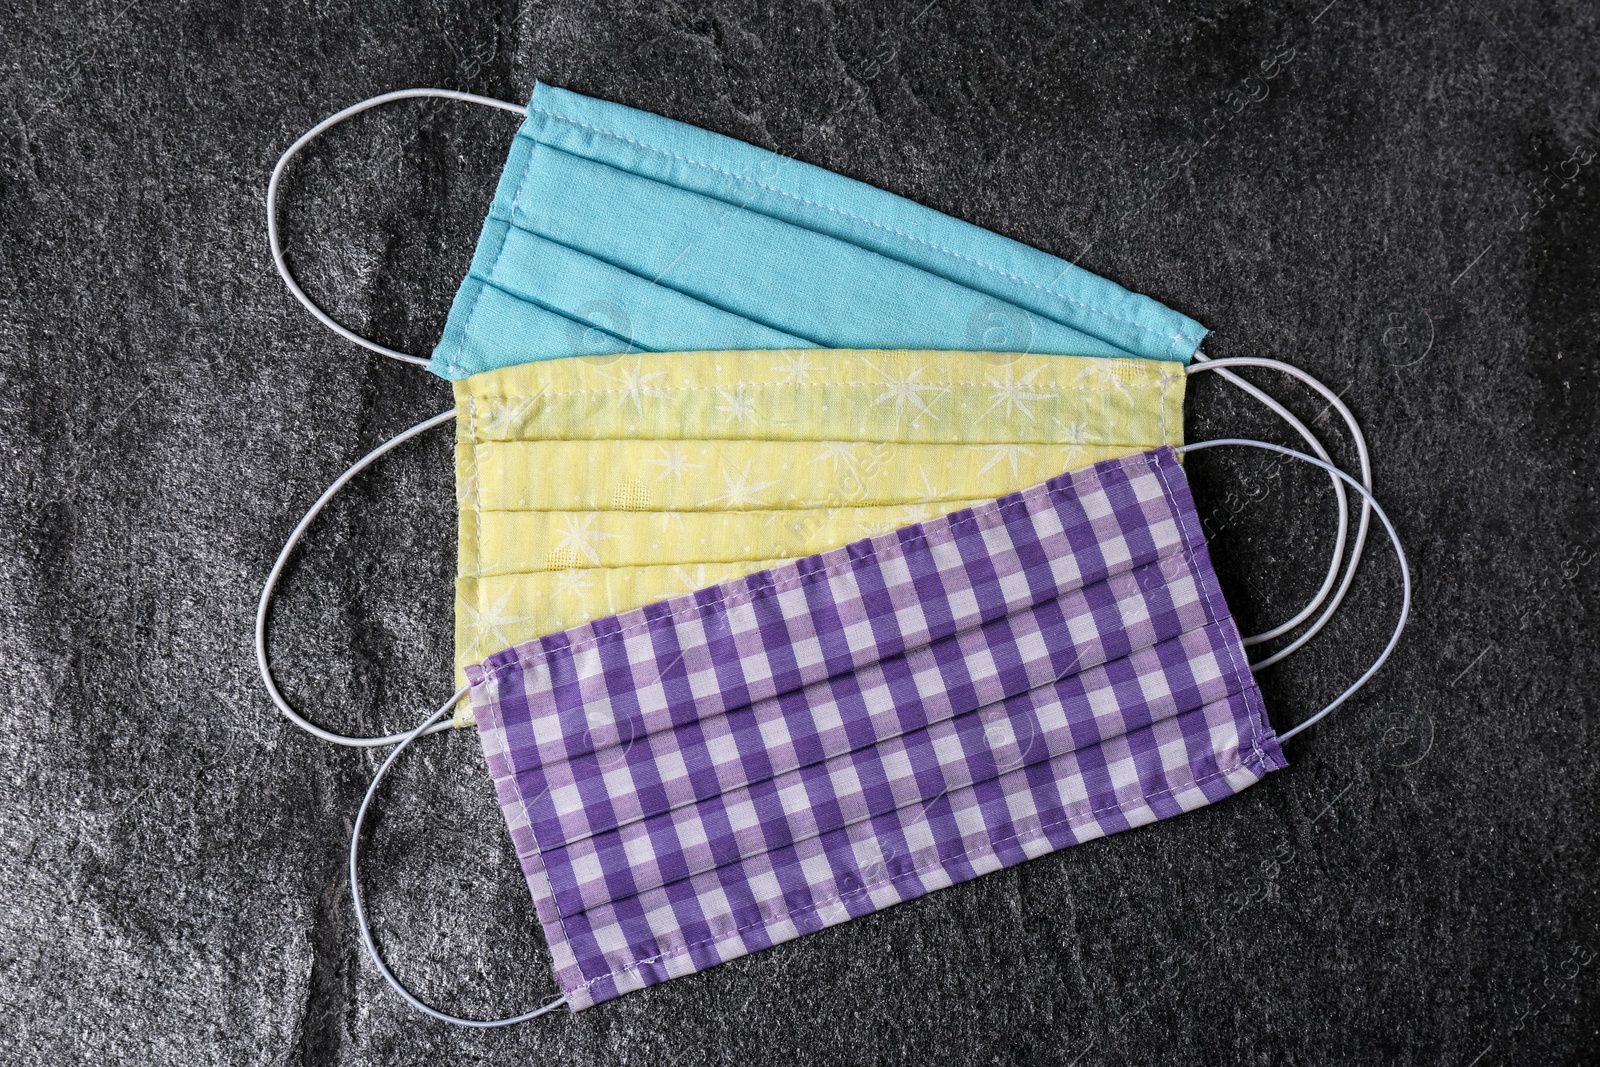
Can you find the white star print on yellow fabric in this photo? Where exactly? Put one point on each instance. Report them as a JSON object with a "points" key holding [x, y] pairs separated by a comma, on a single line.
{"points": [[634, 383], [502, 419], [738, 405], [487, 628], [1011, 454], [593, 485], [571, 583], [902, 390], [580, 538], [673, 462], [1013, 395], [741, 491], [795, 367]]}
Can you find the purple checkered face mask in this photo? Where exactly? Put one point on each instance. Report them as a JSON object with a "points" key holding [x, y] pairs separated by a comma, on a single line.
{"points": [[714, 774]]}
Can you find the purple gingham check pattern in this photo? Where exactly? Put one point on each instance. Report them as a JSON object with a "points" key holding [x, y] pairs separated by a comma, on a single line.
{"points": [[719, 772]]}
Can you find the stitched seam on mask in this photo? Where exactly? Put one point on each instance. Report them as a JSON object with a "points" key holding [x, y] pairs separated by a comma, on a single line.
{"points": [[475, 491], [561, 922], [1166, 433], [1169, 434], [964, 853], [477, 494], [744, 596], [537, 858], [502, 759], [1241, 670], [1173, 338], [472, 310], [1160, 384], [798, 509]]}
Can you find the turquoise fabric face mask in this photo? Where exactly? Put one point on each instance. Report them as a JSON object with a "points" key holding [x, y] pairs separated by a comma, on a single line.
{"points": [[614, 230]]}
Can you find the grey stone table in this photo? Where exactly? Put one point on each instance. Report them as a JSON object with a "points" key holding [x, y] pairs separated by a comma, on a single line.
{"points": [[1399, 198]]}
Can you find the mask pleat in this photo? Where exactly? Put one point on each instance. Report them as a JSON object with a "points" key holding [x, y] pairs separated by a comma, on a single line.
{"points": [[732, 256], [557, 789], [1009, 735], [755, 475], [520, 543], [644, 309]]}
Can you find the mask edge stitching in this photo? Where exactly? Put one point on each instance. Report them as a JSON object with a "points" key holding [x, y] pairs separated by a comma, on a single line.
{"points": [[476, 494], [1159, 385], [1166, 431]]}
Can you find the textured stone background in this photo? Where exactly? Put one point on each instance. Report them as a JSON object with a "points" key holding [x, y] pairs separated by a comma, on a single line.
{"points": [[1401, 198]]}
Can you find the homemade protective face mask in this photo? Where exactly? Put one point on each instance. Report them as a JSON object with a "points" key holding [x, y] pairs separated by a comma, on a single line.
{"points": [[728, 769], [614, 230]]}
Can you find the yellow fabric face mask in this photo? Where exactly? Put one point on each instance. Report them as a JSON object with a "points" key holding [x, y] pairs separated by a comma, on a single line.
{"points": [[591, 485]]}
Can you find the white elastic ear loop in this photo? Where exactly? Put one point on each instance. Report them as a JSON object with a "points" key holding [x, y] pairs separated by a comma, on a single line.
{"points": [[1399, 552], [277, 570], [1338, 488], [1339, 541], [361, 910], [278, 259]]}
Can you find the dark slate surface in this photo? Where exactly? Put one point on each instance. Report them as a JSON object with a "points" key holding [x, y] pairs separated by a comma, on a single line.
{"points": [[1401, 199]]}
